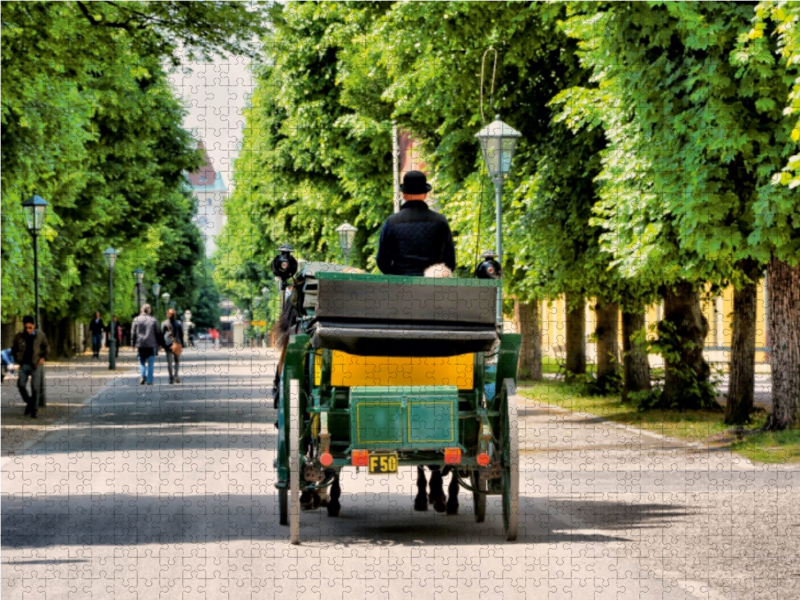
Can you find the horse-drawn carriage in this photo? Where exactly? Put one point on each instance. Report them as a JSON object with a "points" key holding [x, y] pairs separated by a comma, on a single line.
{"points": [[383, 372]]}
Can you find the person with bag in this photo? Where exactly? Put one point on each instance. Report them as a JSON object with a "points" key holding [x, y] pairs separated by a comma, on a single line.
{"points": [[172, 330], [146, 337]]}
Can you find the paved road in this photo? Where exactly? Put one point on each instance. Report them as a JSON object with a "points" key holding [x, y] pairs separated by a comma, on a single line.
{"points": [[167, 491]]}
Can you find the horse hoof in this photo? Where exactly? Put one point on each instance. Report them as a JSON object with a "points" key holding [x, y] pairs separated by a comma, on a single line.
{"points": [[421, 505], [452, 510], [334, 508], [440, 506]]}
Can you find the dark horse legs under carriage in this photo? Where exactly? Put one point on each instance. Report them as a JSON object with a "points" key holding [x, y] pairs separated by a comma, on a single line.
{"points": [[359, 386]]}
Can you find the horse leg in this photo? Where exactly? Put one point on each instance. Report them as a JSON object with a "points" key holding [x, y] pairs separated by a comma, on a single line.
{"points": [[421, 500], [334, 508], [437, 497], [306, 500], [452, 493]]}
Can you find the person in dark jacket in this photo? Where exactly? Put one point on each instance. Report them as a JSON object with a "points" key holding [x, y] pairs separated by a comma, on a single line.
{"points": [[416, 237], [30, 350], [115, 333], [97, 327]]}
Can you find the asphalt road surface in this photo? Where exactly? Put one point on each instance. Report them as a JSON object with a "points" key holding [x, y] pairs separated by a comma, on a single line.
{"points": [[166, 491]]}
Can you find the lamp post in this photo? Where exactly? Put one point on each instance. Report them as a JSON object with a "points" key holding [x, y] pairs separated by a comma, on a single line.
{"points": [[111, 259], [498, 142], [347, 234], [156, 291], [187, 318], [35, 209], [165, 297], [138, 275], [265, 294]]}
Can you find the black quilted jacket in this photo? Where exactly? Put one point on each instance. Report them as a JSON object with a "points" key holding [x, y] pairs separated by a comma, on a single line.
{"points": [[414, 239]]}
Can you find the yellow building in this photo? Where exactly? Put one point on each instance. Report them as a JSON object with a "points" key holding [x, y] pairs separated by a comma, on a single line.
{"points": [[718, 311]]}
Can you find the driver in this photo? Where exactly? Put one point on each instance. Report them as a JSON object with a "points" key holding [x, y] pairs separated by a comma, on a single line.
{"points": [[416, 237]]}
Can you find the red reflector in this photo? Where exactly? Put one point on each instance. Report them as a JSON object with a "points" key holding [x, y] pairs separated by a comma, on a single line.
{"points": [[360, 458], [325, 459], [452, 456], [483, 459]]}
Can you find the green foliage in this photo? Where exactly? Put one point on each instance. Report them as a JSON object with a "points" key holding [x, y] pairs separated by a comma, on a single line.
{"points": [[96, 130]]}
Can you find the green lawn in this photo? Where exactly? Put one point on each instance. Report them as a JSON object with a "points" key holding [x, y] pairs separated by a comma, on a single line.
{"points": [[693, 425]]}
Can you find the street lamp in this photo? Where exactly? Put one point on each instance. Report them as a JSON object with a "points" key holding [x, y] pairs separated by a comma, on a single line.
{"points": [[138, 275], [187, 318], [165, 297], [347, 234], [35, 209], [498, 142], [156, 291], [111, 259]]}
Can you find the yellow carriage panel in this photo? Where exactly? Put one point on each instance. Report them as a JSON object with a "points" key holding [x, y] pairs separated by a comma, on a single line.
{"points": [[349, 370]]}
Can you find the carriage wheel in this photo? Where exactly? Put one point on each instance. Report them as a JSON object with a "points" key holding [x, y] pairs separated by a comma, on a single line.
{"points": [[510, 473], [283, 506], [478, 499], [294, 460]]}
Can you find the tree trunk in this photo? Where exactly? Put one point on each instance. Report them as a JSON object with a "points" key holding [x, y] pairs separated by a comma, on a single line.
{"points": [[530, 355], [576, 335], [59, 334], [743, 349], [784, 336], [683, 331], [607, 334], [636, 366]]}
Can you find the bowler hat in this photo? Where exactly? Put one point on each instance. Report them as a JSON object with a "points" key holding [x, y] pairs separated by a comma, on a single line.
{"points": [[414, 182]]}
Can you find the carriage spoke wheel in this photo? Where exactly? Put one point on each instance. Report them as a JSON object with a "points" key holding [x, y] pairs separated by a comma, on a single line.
{"points": [[478, 499], [294, 460], [510, 472]]}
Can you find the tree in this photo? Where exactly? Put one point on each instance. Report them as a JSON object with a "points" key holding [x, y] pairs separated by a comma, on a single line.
{"points": [[692, 146]]}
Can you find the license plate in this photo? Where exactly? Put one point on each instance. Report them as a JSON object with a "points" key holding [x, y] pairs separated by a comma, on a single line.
{"points": [[380, 464]]}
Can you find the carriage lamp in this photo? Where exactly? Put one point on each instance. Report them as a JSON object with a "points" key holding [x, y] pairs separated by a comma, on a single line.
{"points": [[498, 142], [284, 265], [326, 459], [489, 267], [452, 456], [347, 234]]}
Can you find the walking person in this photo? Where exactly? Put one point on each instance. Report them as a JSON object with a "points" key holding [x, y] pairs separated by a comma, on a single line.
{"points": [[146, 337], [30, 350], [115, 333], [97, 327], [172, 331]]}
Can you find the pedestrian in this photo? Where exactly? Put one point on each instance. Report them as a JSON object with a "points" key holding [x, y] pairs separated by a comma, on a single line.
{"points": [[146, 338], [417, 237], [115, 333], [97, 327], [8, 361], [172, 330], [30, 350]]}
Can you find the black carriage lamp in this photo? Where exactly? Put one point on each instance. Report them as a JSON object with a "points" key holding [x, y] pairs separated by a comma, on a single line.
{"points": [[347, 234], [110, 255], [284, 265], [489, 267], [498, 143]]}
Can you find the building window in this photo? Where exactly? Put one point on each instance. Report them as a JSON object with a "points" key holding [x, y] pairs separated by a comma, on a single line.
{"points": [[208, 201], [203, 221]]}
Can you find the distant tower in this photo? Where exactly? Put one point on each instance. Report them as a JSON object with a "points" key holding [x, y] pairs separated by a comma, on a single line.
{"points": [[210, 190]]}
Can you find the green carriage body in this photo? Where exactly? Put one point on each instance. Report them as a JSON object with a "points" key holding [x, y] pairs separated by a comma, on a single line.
{"points": [[424, 323]]}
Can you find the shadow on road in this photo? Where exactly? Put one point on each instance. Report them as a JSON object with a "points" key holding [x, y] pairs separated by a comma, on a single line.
{"points": [[367, 518]]}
